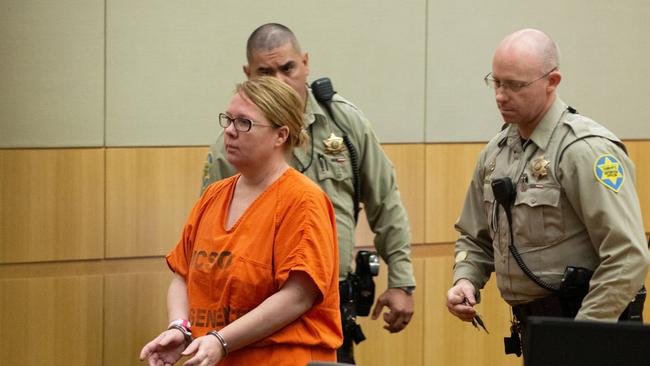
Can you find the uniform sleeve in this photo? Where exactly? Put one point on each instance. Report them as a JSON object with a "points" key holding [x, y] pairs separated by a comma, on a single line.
{"points": [[474, 252], [306, 242], [599, 182], [385, 212], [216, 166]]}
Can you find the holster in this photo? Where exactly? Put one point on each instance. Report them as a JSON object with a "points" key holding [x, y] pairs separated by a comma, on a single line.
{"points": [[634, 310], [351, 330], [575, 286]]}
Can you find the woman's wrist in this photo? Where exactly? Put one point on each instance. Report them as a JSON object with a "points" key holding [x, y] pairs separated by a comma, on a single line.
{"points": [[221, 340], [184, 326]]}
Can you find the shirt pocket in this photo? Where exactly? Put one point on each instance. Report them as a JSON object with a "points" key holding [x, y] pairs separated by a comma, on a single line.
{"points": [[252, 282], [538, 217], [333, 168]]}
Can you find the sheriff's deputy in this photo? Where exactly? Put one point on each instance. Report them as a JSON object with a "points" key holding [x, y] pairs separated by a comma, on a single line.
{"points": [[574, 208]]}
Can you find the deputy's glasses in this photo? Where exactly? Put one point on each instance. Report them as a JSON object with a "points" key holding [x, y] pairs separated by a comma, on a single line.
{"points": [[241, 124], [512, 85]]}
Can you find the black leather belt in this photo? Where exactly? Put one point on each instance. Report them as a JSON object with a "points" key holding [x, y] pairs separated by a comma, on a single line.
{"points": [[546, 306]]}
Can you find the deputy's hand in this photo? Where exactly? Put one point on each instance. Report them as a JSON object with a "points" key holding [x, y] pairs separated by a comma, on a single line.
{"points": [[400, 305], [165, 349], [208, 351], [461, 300]]}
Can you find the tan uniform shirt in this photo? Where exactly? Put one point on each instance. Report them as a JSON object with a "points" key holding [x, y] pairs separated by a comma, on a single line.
{"points": [[332, 171], [576, 205]]}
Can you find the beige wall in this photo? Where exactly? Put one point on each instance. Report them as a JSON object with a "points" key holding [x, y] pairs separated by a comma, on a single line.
{"points": [[106, 108], [156, 73]]}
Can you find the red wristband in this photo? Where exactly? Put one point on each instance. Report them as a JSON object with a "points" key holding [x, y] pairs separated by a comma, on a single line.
{"points": [[183, 323]]}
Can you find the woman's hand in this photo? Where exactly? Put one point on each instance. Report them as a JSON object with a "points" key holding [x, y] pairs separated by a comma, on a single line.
{"points": [[165, 349], [208, 351]]}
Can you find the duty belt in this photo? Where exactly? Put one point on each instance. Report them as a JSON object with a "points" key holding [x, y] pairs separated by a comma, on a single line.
{"points": [[546, 306]]}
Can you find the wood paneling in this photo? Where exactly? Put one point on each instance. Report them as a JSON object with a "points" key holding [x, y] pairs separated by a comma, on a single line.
{"points": [[51, 204], [52, 321], [83, 268], [409, 163], [450, 341], [149, 195], [58, 195], [410, 166], [449, 171], [403, 348], [136, 310]]}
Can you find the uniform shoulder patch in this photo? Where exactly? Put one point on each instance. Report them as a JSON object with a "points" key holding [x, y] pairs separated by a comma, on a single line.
{"points": [[609, 171], [460, 256]]}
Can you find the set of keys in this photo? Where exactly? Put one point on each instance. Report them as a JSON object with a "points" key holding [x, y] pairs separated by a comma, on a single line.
{"points": [[477, 321]]}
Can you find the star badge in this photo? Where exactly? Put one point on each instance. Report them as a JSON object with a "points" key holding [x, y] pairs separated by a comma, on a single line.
{"points": [[538, 167], [333, 144]]}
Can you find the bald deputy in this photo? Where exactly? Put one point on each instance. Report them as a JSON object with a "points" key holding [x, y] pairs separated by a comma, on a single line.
{"points": [[574, 208]]}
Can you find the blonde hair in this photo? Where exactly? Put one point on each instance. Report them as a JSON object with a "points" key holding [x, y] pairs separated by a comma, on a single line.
{"points": [[279, 103]]}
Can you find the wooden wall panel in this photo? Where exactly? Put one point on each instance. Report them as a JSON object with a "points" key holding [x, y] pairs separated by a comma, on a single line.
{"points": [[139, 302], [149, 195], [52, 321], [639, 152], [450, 341], [410, 167], [449, 170], [384, 348], [51, 204], [409, 163]]}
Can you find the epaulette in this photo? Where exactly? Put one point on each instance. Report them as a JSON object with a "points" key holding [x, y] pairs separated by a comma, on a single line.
{"points": [[583, 127], [336, 98]]}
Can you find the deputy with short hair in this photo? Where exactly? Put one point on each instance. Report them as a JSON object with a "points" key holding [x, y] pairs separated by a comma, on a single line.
{"points": [[351, 174], [552, 196]]}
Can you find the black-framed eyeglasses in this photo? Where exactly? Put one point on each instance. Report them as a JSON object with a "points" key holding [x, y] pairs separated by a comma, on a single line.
{"points": [[241, 124], [512, 85]]}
